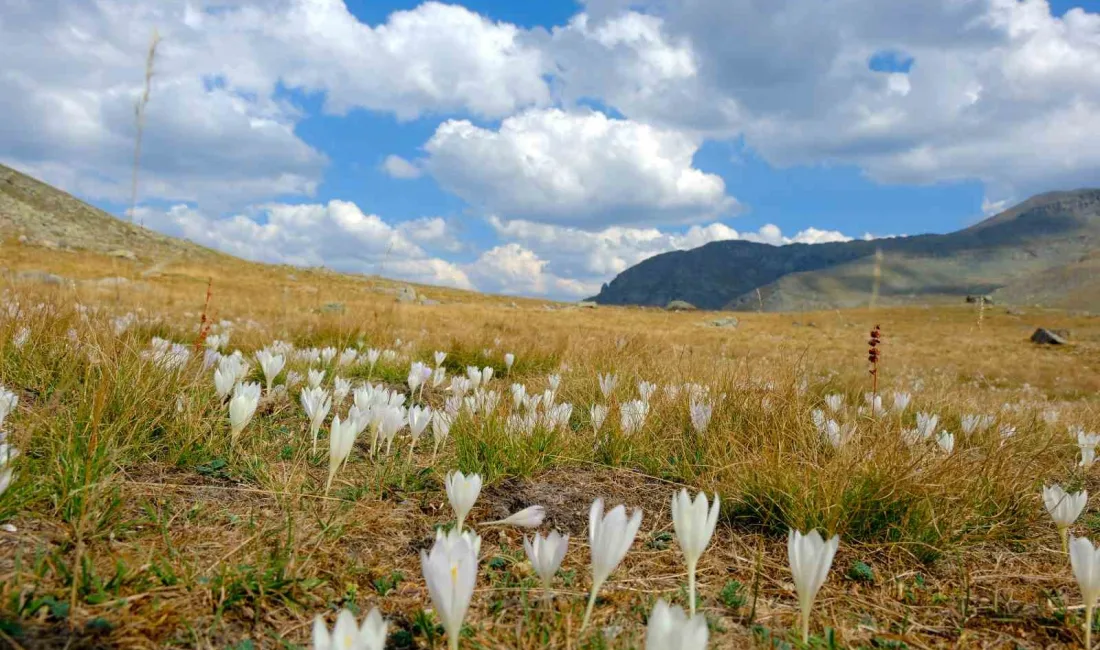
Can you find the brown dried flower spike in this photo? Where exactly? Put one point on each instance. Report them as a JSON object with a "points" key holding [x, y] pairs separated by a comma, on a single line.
{"points": [[873, 355]]}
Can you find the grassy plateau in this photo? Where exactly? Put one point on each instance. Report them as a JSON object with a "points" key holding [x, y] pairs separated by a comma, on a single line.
{"points": [[136, 520]]}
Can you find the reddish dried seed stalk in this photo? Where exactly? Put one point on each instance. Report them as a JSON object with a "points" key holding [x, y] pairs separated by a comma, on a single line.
{"points": [[873, 356], [204, 320]]}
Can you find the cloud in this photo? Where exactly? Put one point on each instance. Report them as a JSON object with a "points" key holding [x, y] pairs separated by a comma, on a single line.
{"points": [[584, 169], [336, 235], [220, 130], [997, 91], [589, 259], [514, 269], [398, 167], [433, 232]]}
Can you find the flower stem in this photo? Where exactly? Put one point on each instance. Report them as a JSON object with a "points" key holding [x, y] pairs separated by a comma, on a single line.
{"points": [[1088, 627], [1064, 534], [452, 641], [591, 603], [691, 587], [806, 622]]}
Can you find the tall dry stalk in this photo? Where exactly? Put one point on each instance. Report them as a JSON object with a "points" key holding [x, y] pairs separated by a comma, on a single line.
{"points": [[876, 278], [139, 119], [873, 356]]}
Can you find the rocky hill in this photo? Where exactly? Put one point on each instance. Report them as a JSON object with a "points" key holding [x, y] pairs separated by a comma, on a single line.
{"points": [[42, 215], [1042, 251]]}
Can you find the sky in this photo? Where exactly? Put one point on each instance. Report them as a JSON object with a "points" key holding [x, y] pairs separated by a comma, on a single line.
{"points": [[540, 148]]}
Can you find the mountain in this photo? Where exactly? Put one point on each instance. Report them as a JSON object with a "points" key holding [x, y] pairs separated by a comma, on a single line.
{"points": [[1045, 250], [50, 218]]}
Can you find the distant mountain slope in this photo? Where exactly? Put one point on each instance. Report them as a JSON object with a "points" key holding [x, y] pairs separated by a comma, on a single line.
{"points": [[50, 217], [1024, 254]]}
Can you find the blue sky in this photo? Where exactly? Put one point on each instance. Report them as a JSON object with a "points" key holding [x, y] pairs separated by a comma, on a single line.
{"points": [[539, 148]]}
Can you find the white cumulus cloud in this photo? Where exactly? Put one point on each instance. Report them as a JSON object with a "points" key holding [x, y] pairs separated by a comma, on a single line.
{"points": [[579, 168], [337, 235]]}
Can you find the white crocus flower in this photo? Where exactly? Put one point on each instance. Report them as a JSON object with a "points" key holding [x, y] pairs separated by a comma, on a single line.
{"points": [[701, 413], [810, 557], [316, 403], [1084, 558], [632, 416], [529, 517], [669, 628], [546, 555], [835, 402], [224, 380], [441, 428], [901, 401], [242, 407], [597, 413], [607, 384], [340, 389], [418, 421], [341, 440], [440, 357], [271, 365], [694, 524], [450, 571], [509, 359], [1064, 508], [946, 442], [8, 402], [346, 635], [462, 492], [315, 377], [609, 539]]}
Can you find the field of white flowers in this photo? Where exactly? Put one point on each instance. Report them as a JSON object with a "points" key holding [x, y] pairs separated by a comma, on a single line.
{"points": [[171, 482]]}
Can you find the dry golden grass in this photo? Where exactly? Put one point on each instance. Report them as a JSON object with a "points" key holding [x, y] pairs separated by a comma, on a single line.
{"points": [[138, 525]]}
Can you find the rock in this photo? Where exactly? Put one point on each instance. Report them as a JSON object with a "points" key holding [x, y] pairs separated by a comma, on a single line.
{"points": [[586, 304], [23, 239], [680, 305], [110, 282], [729, 321], [406, 294], [123, 254], [512, 305], [41, 277], [428, 301], [1044, 336], [1012, 311], [988, 300], [333, 308], [48, 243]]}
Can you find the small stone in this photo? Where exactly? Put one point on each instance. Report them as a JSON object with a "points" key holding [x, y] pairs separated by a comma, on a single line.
{"points": [[123, 254], [680, 305], [9, 528], [1044, 336], [729, 321]]}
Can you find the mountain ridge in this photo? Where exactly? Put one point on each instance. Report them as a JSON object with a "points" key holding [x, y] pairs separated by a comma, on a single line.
{"points": [[1022, 244]]}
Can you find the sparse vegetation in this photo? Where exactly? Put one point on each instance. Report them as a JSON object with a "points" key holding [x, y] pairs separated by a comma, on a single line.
{"points": [[138, 522]]}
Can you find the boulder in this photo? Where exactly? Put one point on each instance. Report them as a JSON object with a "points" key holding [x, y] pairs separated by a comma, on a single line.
{"points": [[41, 277], [406, 294], [988, 300], [123, 254], [680, 305], [1045, 336], [728, 321], [586, 304]]}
